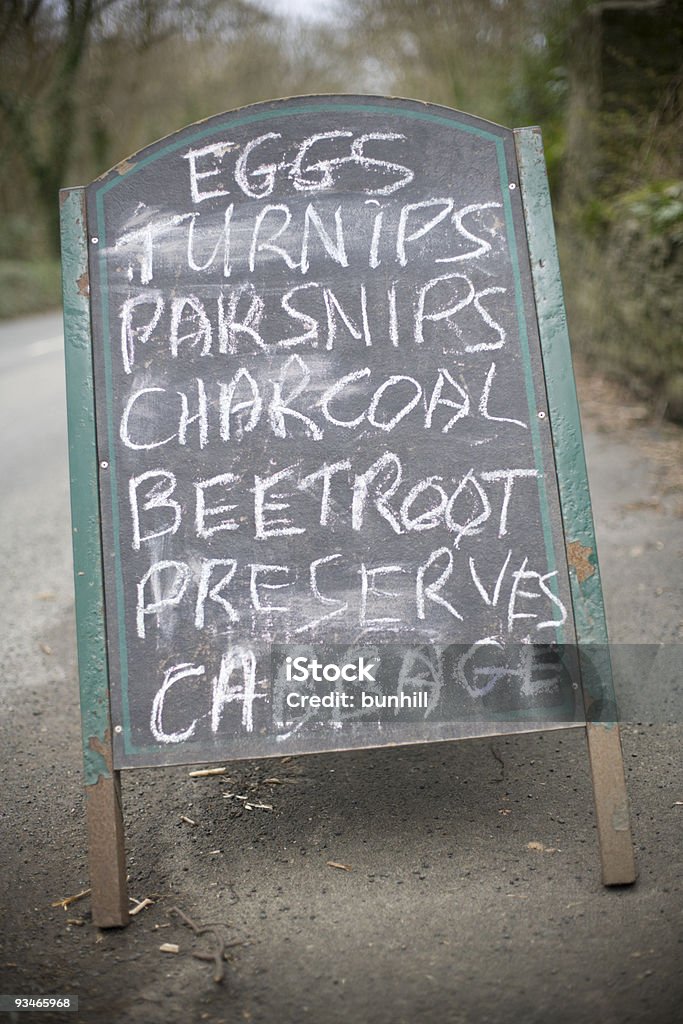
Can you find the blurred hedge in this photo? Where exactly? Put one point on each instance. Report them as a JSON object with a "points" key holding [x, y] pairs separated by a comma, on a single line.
{"points": [[29, 287]]}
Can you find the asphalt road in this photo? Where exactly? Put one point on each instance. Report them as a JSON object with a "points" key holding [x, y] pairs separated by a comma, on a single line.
{"points": [[447, 915]]}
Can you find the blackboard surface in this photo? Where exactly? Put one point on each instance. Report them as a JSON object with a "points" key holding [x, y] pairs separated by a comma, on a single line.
{"points": [[322, 435]]}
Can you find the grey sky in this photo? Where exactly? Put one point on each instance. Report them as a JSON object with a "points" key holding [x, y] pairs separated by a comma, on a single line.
{"points": [[311, 10]]}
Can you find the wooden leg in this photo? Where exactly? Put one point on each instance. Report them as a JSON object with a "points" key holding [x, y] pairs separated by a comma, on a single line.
{"points": [[107, 855], [611, 804]]}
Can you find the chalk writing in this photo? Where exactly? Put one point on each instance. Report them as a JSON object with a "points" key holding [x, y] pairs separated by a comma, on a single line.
{"points": [[323, 425]]}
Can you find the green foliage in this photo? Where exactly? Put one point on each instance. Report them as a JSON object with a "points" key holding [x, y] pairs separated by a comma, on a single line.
{"points": [[656, 207], [592, 218], [21, 237], [80, 80], [28, 287], [622, 207], [624, 285]]}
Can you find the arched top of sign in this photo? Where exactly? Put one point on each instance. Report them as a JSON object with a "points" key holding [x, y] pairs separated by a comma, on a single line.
{"points": [[202, 132]]}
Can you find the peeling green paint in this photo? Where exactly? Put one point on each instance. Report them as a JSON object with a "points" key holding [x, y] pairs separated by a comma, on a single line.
{"points": [[563, 407], [85, 512]]}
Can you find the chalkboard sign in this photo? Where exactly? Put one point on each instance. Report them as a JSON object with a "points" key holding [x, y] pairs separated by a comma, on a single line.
{"points": [[324, 448], [323, 437]]}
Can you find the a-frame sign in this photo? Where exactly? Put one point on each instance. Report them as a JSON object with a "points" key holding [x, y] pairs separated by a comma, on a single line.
{"points": [[327, 474]]}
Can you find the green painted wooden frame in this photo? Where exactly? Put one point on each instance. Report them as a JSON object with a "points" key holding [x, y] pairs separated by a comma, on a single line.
{"points": [[565, 424], [85, 504], [102, 788], [602, 730]]}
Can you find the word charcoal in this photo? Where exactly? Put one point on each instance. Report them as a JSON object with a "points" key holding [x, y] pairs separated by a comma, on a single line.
{"points": [[323, 436]]}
